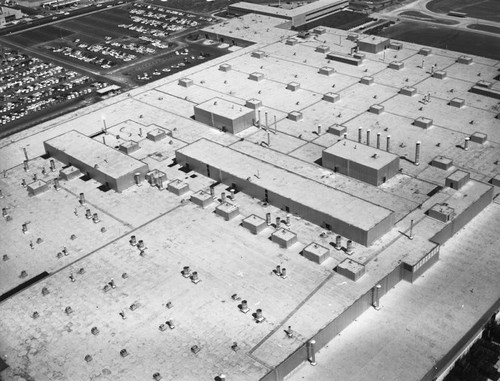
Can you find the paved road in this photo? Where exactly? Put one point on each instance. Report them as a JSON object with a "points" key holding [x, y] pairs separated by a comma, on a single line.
{"points": [[420, 6]]}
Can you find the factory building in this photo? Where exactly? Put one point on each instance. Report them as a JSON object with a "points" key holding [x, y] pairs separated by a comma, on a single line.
{"points": [[296, 16], [349, 216], [100, 162], [9, 14], [362, 162]]}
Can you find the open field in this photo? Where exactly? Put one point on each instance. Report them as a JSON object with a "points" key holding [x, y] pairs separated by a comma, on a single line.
{"points": [[444, 37], [422, 16], [481, 9], [486, 28]]}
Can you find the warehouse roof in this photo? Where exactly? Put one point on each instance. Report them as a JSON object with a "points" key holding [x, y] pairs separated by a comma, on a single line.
{"points": [[352, 210]]}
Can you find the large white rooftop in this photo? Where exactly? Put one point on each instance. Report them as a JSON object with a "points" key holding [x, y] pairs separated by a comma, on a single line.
{"points": [[95, 154]]}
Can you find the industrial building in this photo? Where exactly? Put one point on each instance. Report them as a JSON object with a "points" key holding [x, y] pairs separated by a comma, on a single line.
{"points": [[100, 162], [272, 233], [9, 14], [295, 16]]}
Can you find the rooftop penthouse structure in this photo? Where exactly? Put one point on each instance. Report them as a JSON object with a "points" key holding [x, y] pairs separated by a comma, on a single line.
{"points": [[352, 217], [361, 162], [100, 162]]}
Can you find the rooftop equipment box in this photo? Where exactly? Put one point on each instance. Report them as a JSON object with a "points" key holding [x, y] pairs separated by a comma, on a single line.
{"points": [[316, 253], [457, 179], [178, 187], [69, 173], [337, 130], [350, 269], [284, 238], [457, 102], [331, 97], [442, 162], [479, 137], [254, 224], [441, 212], [227, 210], [37, 187], [326, 70], [156, 135], [129, 147], [202, 199], [408, 91], [322, 49], [440, 74], [422, 122]]}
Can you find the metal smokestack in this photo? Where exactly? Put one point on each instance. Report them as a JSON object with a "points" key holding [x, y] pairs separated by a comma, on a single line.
{"points": [[417, 153]]}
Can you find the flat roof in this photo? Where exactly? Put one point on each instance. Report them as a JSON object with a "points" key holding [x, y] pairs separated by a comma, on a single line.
{"points": [[361, 153], [352, 210], [417, 325], [91, 152], [224, 108]]}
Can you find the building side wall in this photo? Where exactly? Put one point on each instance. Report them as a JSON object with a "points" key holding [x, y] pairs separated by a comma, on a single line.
{"points": [[328, 333], [223, 123], [243, 122], [424, 268], [118, 184], [127, 180], [388, 171], [203, 116], [380, 229], [358, 171], [463, 219]]}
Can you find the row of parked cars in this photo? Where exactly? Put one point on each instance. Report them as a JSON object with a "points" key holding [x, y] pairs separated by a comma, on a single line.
{"points": [[29, 84], [161, 22]]}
